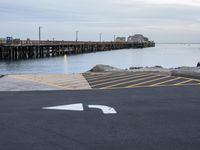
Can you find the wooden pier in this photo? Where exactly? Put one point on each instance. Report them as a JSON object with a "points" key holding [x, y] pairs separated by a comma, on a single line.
{"points": [[36, 49]]}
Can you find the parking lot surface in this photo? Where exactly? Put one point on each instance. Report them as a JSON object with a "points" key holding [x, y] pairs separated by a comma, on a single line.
{"points": [[165, 118]]}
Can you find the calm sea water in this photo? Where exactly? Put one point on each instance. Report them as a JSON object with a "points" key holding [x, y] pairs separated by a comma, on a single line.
{"points": [[166, 55]]}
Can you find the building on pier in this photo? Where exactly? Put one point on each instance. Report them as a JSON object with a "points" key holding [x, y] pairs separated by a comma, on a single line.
{"points": [[2, 41], [120, 39], [137, 38]]}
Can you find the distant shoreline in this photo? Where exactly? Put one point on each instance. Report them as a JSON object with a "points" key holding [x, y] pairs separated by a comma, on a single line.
{"points": [[175, 43]]}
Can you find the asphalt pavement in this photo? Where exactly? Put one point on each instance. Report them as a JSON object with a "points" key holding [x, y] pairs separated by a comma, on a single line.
{"points": [[164, 118]]}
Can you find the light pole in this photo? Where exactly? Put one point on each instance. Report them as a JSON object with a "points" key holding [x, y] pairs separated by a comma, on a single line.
{"points": [[39, 37], [39, 34], [77, 36], [114, 37], [100, 35]]}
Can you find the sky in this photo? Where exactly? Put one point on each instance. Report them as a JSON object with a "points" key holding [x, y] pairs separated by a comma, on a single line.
{"points": [[160, 20]]}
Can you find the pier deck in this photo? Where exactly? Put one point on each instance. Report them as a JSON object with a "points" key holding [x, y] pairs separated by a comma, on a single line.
{"points": [[36, 49]]}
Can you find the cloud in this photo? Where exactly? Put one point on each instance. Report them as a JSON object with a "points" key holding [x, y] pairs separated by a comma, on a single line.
{"points": [[160, 2], [61, 17]]}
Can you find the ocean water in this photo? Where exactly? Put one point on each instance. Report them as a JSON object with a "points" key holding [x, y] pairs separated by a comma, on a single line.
{"points": [[166, 55]]}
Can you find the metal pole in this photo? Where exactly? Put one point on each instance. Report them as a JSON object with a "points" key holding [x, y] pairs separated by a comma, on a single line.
{"points": [[39, 34], [39, 37], [77, 36], [114, 37], [100, 34]]}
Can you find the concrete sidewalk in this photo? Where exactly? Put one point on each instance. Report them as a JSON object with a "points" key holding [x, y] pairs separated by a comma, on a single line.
{"points": [[43, 82]]}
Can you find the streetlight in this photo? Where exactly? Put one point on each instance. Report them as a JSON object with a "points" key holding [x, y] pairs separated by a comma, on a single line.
{"points": [[100, 35], [39, 37], [77, 36], [114, 37], [39, 34]]}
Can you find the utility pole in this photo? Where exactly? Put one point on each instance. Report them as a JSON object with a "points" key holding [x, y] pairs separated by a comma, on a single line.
{"points": [[39, 34], [100, 35], [114, 37], [77, 36], [39, 37]]}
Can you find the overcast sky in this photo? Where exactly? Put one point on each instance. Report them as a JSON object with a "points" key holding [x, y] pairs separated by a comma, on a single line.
{"points": [[160, 20]]}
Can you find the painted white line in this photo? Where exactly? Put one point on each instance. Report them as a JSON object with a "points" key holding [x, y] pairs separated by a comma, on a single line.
{"points": [[72, 107], [105, 109]]}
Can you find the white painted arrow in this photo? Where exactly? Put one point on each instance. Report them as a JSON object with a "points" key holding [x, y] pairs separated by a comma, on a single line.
{"points": [[72, 107], [105, 109], [79, 107]]}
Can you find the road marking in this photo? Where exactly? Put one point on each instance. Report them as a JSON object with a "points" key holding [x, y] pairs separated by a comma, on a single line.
{"points": [[166, 81], [105, 109], [144, 86], [125, 78], [148, 81], [36, 81], [183, 82], [79, 107], [79, 84], [153, 76], [53, 80], [94, 76], [72, 107], [105, 76], [68, 84], [133, 77], [190, 78], [120, 77]]}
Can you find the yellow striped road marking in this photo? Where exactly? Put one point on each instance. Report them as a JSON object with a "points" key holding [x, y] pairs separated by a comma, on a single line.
{"points": [[25, 79], [129, 75], [89, 76], [152, 76], [166, 81], [191, 78], [61, 81], [104, 76], [183, 82], [147, 81], [111, 75], [52, 80], [93, 73], [133, 77], [47, 83], [143, 86], [72, 84]]}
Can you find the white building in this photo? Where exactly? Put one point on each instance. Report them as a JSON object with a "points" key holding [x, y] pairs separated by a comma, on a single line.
{"points": [[137, 38], [2, 41], [120, 39]]}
